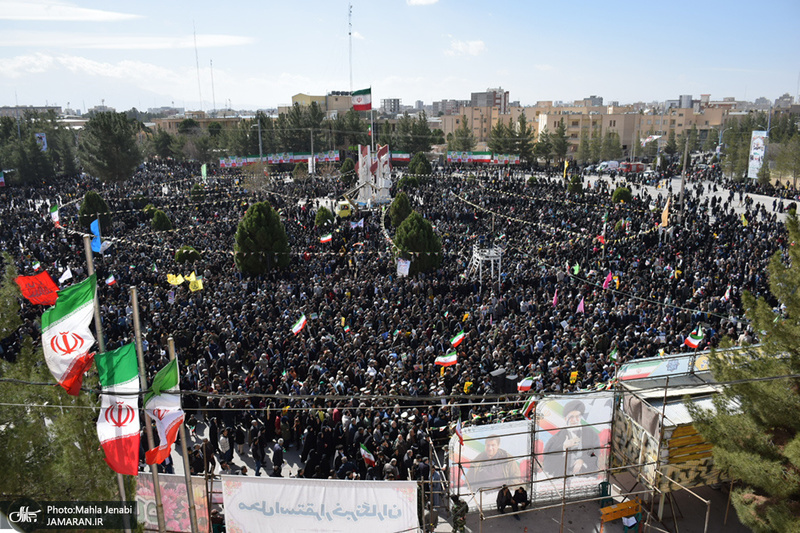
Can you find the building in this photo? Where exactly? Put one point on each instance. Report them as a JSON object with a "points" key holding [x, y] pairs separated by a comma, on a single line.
{"points": [[685, 101], [419, 104], [20, 110], [784, 102], [491, 98], [338, 102], [171, 124], [448, 107], [390, 105]]}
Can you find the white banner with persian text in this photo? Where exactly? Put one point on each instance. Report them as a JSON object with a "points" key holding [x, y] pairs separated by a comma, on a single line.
{"points": [[270, 504]]}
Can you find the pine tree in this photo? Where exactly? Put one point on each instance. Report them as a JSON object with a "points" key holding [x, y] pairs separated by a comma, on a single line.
{"points": [[400, 209], [92, 206], [418, 242], [524, 139], [755, 429], [261, 241], [47, 452], [108, 147]]}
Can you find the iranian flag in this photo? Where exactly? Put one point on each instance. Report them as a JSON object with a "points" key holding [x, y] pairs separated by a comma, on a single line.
{"points": [[326, 238], [525, 384], [458, 339], [66, 338], [695, 338], [529, 407], [448, 359], [299, 325], [367, 455], [459, 432], [163, 404], [362, 100], [118, 423], [54, 215]]}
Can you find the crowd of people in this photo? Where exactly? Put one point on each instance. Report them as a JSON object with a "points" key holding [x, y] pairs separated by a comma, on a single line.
{"points": [[360, 375]]}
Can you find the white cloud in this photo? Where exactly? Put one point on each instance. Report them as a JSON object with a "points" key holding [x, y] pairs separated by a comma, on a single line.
{"points": [[118, 41], [421, 2], [16, 67], [57, 11], [358, 36], [471, 48]]}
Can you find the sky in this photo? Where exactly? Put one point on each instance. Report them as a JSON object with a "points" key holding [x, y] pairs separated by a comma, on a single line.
{"points": [[258, 54]]}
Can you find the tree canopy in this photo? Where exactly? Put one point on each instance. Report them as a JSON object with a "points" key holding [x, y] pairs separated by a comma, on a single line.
{"points": [[755, 429], [108, 147], [418, 242], [93, 204], [261, 241], [400, 209]]}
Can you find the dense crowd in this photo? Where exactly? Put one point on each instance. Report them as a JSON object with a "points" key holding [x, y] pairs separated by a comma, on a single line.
{"points": [[361, 371]]}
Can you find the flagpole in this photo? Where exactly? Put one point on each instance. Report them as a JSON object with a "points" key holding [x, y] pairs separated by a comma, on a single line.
{"points": [[137, 329], [101, 344], [186, 471]]}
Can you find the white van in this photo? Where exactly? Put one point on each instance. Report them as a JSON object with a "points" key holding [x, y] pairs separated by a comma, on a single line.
{"points": [[608, 166]]}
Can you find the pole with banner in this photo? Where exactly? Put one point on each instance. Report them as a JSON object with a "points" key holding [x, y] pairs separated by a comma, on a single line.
{"points": [[101, 344], [186, 471], [137, 329]]}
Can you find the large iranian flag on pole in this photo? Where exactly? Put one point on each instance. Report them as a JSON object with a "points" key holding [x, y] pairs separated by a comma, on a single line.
{"points": [[163, 404], [66, 338], [118, 423], [362, 100]]}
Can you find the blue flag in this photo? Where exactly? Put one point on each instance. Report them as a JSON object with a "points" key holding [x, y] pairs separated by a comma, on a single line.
{"points": [[95, 227], [96, 244]]}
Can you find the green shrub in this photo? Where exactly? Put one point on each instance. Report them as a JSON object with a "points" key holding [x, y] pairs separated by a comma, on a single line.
{"points": [[324, 217], [160, 221], [621, 194], [149, 210], [187, 253], [198, 193]]}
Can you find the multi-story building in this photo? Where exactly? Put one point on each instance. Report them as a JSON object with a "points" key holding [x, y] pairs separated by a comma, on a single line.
{"points": [[390, 106], [448, 107], [784, 102], [171, 124], [20, 110], [491, 98]]}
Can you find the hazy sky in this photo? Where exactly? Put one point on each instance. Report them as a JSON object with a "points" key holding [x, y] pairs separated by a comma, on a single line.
{"points": [[142, 53]]}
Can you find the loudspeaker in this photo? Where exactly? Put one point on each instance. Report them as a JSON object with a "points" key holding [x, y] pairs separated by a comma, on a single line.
{"points": [[510, 383], [498, 378]]}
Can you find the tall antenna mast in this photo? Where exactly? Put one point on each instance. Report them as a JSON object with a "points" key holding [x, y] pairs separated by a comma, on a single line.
{"points": [[213, 96], [350, 36], [197, 63]]}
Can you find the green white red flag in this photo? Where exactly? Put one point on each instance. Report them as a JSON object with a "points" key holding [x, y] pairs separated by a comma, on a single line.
{"points": [[448, 359], [458, 339], [163, 404], [529, 407], [695, 338], [362, 100], [299, 325], [367, 455], [118, 424], [66, 338]]}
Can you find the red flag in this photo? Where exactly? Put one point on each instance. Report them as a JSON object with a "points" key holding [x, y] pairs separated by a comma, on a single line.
{"points": [[601, 239], [39, 289], [607, 282]]}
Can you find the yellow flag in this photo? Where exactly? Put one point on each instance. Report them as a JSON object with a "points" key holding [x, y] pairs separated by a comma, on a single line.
{"points": [[191, 277], [566, 165], [573, 377], [665, 215], [175, 280], [196, 285], [744, 220]]}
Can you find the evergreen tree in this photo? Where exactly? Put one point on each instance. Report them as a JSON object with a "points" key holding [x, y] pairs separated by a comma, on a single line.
{"points": [[543, 149], [187, 253], [596, 145], [462, 140], [261, 241], [612, 148], [417, 241], [108, 147], [671, 148], [348, 172], [400, 209], [162, 144], [621, 194], [560, 142], [93, 204], [421, 136], [198, 193], [788, 160], [160, 221], [419, 165], [324, 217], [524, 139], [755, 429], [500, 141], [584, 154], [48, 453]]}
